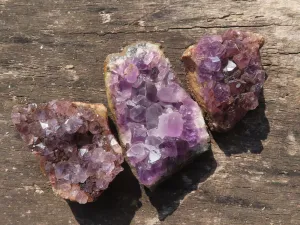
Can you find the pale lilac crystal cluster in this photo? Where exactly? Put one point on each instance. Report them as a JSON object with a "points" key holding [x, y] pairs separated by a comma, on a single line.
{"points": [[158, 122], [230, 75], [76, 149]]}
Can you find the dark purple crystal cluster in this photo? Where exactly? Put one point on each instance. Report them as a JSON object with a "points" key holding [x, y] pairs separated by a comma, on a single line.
{"points": [[73, 141], [158, 122], [229, 74]]}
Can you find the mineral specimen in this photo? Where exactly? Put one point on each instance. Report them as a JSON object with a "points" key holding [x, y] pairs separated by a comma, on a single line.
{"points": [[225, 76], [158, 122], [74, 144]]}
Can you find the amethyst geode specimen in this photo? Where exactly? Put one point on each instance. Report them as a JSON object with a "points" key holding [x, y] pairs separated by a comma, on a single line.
{"points": [[74, 145], [225, 76], [158, 123]]}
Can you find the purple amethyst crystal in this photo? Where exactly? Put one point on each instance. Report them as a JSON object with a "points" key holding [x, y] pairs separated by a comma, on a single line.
{"points": [[74, 144], [226, 76], [158, 122]]}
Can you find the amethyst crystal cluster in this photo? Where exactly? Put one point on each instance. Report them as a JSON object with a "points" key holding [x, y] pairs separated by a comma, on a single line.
{"points": [[74, 144], [158, 122], [225, 75]]}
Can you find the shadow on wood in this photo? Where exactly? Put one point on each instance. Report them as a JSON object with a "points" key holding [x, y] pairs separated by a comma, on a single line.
{"points": [[116, 206], [167, 196], [247, 135]]}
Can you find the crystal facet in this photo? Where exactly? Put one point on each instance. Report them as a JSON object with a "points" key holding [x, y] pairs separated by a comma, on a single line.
{"points": [[159, 123], [226, 76]]}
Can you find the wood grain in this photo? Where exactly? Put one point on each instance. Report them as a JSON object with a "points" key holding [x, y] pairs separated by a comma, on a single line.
{"points": [[252, 174]]}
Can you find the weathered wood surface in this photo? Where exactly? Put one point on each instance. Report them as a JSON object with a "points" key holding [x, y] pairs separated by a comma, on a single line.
{"points": [[253, 174]]}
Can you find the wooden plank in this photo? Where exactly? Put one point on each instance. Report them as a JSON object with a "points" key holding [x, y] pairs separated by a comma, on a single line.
{"points": [[252, 175]]}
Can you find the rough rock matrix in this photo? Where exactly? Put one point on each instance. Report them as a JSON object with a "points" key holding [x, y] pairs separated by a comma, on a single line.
{"points": [[158, 122], [225, 76], [74, 145]]}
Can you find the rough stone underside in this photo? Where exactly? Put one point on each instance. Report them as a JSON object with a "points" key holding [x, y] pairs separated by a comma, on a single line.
{"points": [[229, 74], [74, 145], [158, 122]]}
